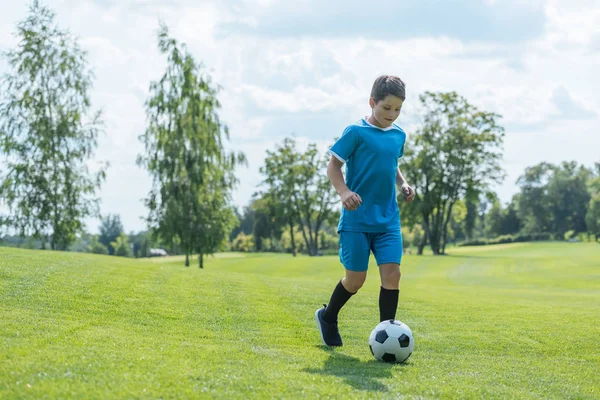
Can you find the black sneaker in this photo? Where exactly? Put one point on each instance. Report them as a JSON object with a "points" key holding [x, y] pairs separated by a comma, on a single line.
{"points": [[329, 331]]}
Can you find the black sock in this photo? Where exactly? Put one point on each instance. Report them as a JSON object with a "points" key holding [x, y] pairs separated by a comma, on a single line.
{"points": [[388, 303], [339, 297]]}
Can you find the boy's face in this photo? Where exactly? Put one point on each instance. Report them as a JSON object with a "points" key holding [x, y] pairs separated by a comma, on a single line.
{"points": [[386, 111]]}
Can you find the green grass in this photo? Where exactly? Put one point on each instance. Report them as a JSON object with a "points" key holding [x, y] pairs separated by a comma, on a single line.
{"points": [[505, 321]]}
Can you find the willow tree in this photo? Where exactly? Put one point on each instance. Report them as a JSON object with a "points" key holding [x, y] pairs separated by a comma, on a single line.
{"points": [[48, 133], [193, 175]]}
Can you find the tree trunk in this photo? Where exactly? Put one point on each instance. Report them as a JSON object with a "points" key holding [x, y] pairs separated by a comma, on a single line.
{"points": [[306, 241], [201, 258], [421, 245], [433, 235], [445, 230], [292, 237], [187, 259]]}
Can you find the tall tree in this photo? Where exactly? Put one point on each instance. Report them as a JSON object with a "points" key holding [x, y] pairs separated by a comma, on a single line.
{"points": [[554, 198], [533, 200], [193, 174], [48, 132], [569, 196], [297, 182], [281, 182], [457, 148], [315, 196]]}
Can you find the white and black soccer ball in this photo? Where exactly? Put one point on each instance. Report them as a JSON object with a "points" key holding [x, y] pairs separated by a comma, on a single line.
{"points": [[391, 341]]}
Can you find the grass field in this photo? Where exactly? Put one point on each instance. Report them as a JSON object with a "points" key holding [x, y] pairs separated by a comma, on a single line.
{"points": [[507, 321]]}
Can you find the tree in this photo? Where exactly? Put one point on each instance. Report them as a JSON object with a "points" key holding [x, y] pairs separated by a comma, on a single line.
{"points": [[281, 182], [592, 217], [110, 229], [457, 222], [456, 149], [471, 203], [511, 223], [96, 246], [121, 246], [554, 198], [269, 221], [315, 196], [141, 243], [297, 182], [569, 196], [214, 218], [192, 173], [533, 200], [494, 220], [48, 133]]}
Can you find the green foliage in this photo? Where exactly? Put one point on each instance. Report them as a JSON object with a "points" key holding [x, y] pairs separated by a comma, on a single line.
{"points": [[554, 198], [141, 243], [456, 151], [298, 191], [110, 229], [193, 175], [96, 246], [48, 132], [525, 237], [412, 236], [243, 242], [121, 246], [592, 217]]}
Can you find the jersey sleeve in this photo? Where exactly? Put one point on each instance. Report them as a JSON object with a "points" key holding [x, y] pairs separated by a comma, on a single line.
{"points": [[403, 145], [345, 146]]}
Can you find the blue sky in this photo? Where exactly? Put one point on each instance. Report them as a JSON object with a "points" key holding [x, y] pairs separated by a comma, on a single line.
{"points": [[306, 67]]}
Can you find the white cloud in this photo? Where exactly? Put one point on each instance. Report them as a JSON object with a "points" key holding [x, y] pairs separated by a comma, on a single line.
{"points": [[314, 86]]}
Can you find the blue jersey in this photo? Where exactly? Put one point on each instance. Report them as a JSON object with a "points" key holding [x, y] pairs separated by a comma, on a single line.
{"points": [[371, 156]]}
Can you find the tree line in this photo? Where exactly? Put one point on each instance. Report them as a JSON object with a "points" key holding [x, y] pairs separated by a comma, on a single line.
{"points": [[49, 132]]}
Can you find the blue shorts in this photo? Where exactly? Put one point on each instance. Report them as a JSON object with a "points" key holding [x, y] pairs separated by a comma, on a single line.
{"points": [[356, 247]]}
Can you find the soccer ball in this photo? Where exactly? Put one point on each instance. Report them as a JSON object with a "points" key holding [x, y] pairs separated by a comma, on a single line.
{"points": [[391, 341]]}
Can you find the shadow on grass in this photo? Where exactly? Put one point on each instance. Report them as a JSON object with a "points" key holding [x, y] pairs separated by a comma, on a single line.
{"points": [[361, 375]]}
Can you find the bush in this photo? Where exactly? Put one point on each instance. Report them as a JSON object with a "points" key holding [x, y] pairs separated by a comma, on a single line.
{"points": [[527, 237], [121, 246], [569, 234], [330, 252], [476, 242], [96, 247], [243, 242], [533, 237]]}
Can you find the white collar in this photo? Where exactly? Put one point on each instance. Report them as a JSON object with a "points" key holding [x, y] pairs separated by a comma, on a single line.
{"points": [[366, 119]]}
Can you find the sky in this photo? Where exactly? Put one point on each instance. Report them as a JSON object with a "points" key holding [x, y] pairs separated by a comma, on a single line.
{"points": [[306, 68]]}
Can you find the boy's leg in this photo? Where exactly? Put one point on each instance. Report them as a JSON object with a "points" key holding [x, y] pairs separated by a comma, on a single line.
{"points": [[387, 248], [346, 288], [354, 255]]}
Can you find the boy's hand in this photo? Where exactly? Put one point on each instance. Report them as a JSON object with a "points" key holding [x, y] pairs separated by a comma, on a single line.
{"points": [[408, 193], [350, 200]]}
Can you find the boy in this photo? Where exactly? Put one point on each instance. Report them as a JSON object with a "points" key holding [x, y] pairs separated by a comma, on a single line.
{"points": [[370, 219]]}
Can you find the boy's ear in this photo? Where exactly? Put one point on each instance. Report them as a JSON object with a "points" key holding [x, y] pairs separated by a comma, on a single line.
{"points": [[372, 102]]}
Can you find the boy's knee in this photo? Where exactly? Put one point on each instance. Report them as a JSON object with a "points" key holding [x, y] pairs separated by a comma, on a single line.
{"points": [[391, 275], [353, 283]]}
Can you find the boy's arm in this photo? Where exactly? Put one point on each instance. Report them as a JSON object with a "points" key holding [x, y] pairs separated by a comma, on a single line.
{"points": [[407, 191], [350, 200]]}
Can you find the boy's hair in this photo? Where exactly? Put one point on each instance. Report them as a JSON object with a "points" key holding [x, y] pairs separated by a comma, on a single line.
{"points": [[388, 85]]}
